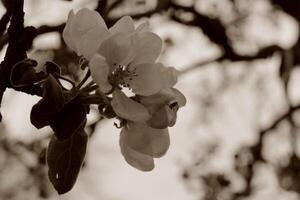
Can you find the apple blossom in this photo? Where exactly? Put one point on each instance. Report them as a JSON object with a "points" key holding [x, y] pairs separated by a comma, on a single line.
{"points": [[124, 58], [85, 30], [141, 142], [128, 60]]}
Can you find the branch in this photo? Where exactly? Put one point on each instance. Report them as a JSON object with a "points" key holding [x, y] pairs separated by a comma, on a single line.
{"points": [[18, 42], [59, 28], [256, 151], [263, 53], [211, 27], [216, 32], [281, 118], [4, 21]]}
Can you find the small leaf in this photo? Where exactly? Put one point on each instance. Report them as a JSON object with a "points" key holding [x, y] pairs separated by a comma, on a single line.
{"points": [[52, 67], [70, 119], [52, 101], [24, 74], [64, 159]]}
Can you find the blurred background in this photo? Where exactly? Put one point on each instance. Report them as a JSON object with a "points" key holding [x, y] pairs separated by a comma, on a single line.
{"points": [[238, 135]]}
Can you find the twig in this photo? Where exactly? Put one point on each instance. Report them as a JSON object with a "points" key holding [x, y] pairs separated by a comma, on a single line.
{"points": [[4, 21]]}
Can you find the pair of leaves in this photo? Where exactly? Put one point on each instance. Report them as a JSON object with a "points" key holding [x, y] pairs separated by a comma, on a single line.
{"points": [[65, 159]]}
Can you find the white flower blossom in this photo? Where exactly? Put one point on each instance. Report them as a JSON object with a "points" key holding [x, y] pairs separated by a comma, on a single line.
{"points": [[141, 142], [125, 57]]}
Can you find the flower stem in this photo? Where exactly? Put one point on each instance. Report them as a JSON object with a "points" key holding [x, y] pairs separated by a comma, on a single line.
{"points": [[65, 79], [87, 75]]}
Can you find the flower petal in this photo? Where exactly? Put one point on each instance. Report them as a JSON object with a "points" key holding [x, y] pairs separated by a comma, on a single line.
{"points": [[91, 42], [127, 108], [148, 47], [146, 140], [125, 24], [159, 99], [85, 31], [180, 98], [170, 75], [163, 107], [67, 33], [163, 97], [136, 159], [117, 49], [143, 27], [163, 118], [149, 79], [100, 71]]}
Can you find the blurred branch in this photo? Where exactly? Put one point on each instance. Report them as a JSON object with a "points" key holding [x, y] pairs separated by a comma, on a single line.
{"points": [[39, 31], [261, 54], [59, 28], [19, 40], [211, 27], [291, 7], [101, 6], [284, 116], [216, 32], [256, 151], [115, 4], [4, 21]]}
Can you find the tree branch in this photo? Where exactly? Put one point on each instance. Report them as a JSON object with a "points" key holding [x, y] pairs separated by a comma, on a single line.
{"points": [[4, 21]]}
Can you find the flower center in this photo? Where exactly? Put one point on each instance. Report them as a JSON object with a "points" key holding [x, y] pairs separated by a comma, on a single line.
{"points": [[122, 75]]}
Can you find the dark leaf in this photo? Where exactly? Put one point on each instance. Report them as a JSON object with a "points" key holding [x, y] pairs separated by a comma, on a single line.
{"points": [[52, 67], [64, 159], [24, 74], [53, 100], [69, 120]]}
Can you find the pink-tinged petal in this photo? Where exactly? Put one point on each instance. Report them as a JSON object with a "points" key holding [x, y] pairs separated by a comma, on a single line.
{"points": [[136, 159], [117, 49], [127, 108], [164, 117], [143, 27], [148, 47], [67, 33], [149, 79], [144, 139], [100, 71], [125, 25]]}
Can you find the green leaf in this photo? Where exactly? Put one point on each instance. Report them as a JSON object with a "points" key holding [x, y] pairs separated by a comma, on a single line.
{"points": [[64, 159]]}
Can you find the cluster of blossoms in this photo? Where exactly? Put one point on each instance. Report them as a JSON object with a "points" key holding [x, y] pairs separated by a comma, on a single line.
{"points": [[122, 61]]}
